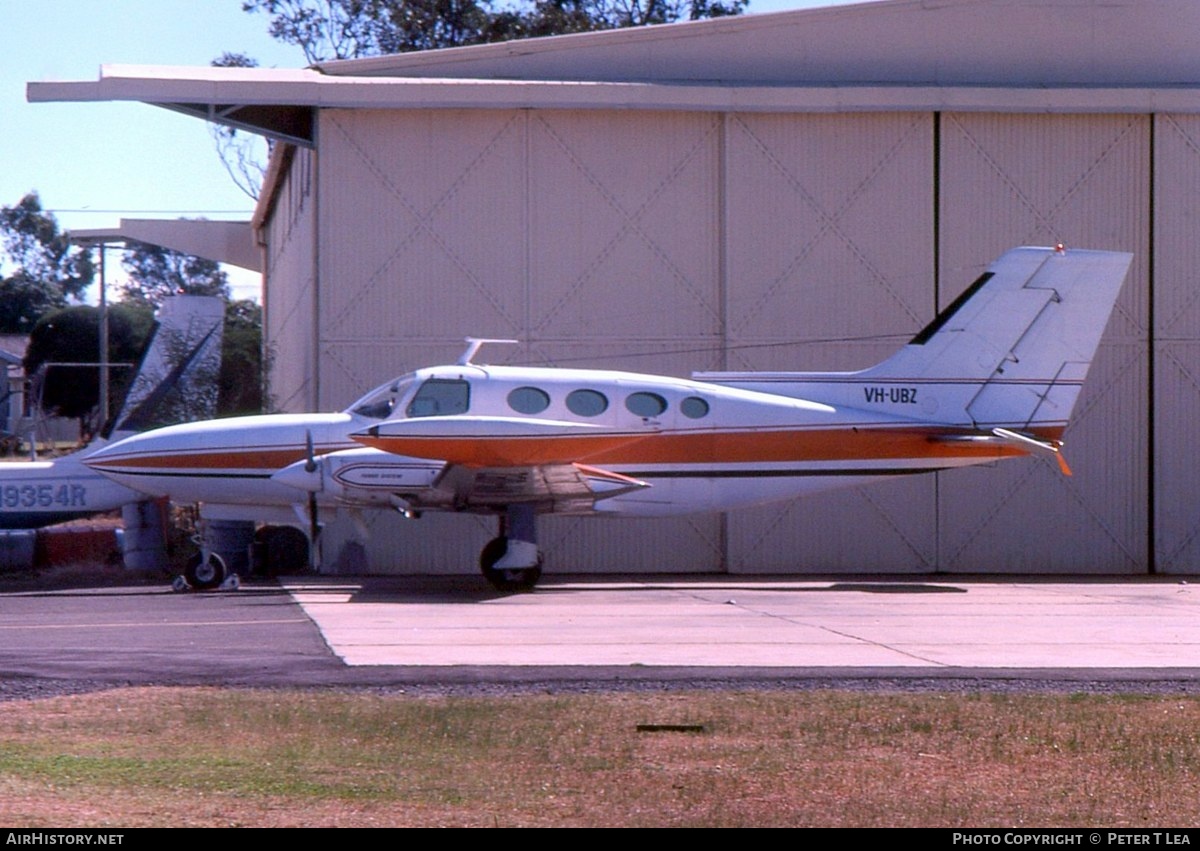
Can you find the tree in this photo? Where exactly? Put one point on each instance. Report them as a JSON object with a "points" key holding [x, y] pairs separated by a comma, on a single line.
{"points": [[72, 335], [240, 152], [42, 270], [347, 29], [242, 368], [156, 272]]}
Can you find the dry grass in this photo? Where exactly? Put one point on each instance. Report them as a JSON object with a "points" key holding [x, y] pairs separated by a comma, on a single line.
{"points": [[159, 756]]}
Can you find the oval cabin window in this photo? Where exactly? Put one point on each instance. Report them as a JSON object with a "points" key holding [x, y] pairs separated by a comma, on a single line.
{"points": [[587, 403], [645, 404], [528, 400], [693, 407]]}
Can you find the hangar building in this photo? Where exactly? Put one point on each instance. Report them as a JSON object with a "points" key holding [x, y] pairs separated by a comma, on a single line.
{"points": [[799, 190]]}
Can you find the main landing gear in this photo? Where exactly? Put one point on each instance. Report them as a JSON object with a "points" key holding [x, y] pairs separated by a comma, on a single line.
{"points": [[512, 561], [206, 571]]}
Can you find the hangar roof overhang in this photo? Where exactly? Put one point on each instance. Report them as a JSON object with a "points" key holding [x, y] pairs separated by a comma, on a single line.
{"points": [[888, 55], [936, 42], [281, 104]]}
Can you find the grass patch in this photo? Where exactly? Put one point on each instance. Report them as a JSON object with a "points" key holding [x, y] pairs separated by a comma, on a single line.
{"points": [[173, 756]]}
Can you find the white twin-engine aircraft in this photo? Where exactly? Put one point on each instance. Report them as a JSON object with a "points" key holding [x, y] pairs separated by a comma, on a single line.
{"points": [[995, 375]]}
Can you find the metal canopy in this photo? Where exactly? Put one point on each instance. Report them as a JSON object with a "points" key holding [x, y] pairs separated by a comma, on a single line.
{"points": [[224, 242], [281, 105]]}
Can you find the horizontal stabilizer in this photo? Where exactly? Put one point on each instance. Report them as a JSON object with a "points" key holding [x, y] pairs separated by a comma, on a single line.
{"points": [[1035, 445]]}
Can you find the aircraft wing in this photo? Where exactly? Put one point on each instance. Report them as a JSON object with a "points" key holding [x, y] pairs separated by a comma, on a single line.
{"points": [[492, 462], [561, 488], [370, 477]]}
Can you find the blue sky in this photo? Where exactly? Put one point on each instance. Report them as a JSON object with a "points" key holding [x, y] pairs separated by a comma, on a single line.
{"points": [[94, 163]]}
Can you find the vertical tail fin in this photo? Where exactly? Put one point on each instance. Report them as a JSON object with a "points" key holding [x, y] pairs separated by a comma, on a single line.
{"points": [[1011, 352], [1026, 331], [176, 379]]}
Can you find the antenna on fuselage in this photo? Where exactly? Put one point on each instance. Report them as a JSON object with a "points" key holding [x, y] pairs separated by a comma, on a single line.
{"points": [[474, 344]]}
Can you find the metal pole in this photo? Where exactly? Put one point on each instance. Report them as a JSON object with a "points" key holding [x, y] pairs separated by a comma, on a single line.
{"points": [[103, 342]]}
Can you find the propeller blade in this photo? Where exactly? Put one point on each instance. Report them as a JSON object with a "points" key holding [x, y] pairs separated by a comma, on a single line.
{"points": [[310, 465], [314, 521]]}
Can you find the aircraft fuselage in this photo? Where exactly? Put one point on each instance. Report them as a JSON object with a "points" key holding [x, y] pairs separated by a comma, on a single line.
{"points": [[694, 445]]}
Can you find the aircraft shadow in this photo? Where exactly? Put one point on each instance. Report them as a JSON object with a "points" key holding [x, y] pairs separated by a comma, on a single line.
{"points": [[469, 589]]}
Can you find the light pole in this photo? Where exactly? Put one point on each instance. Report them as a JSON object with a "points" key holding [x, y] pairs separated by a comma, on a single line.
{"points": [[103, 341], [101, 240]]}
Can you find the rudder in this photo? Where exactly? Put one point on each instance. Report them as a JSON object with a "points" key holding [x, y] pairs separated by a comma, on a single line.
{"points": [[1027, 331]]}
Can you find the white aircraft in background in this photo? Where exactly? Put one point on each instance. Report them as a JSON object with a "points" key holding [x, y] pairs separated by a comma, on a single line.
{"points": [[995, 375], [176, 380]]}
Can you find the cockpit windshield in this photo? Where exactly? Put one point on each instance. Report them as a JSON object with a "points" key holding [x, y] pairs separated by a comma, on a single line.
{"points": [[381, 402]]}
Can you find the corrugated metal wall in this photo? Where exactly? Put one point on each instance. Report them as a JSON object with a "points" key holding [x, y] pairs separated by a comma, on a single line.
{"points": [[289, 299], [1037, 179], [1176, 401], [588, 235], [830, 247], [650, 241]]}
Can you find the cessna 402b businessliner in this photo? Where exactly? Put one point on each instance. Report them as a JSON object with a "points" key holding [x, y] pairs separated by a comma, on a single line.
{"points": [[995, 375]]}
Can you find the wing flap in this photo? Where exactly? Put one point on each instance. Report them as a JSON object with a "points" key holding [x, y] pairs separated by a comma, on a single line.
{"points": [[557, 488]]}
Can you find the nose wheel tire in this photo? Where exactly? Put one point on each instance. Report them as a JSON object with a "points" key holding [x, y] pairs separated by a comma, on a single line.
{"points": [[204, 574], [507, 579]]}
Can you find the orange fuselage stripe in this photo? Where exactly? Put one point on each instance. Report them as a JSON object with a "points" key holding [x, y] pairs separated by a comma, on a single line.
{"points": [[704, 447], [245, 459], [695, 447]]}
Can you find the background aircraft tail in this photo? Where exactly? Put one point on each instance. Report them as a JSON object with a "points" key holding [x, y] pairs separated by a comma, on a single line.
{"points": [[176, 379]]}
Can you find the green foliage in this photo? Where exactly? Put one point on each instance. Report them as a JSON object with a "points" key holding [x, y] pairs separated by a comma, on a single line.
{"points": [[72, 335], [41, 269], [346, 29], [156, 272], [241, 381]]}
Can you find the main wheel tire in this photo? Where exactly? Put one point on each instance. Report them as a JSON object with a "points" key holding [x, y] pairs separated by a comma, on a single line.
{"points": [[518, 579], [284, 550], [205, 575]]}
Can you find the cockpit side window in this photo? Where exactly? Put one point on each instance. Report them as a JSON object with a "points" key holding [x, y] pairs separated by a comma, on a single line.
{"points": [[377, 410], [440, 397], [381, 402]]}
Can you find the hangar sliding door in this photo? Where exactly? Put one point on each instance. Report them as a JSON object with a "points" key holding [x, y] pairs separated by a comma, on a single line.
{"points": [[1176, 408], [829, 266], [1008, 180], [589, 236], [289, 303], [623, 248]]}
